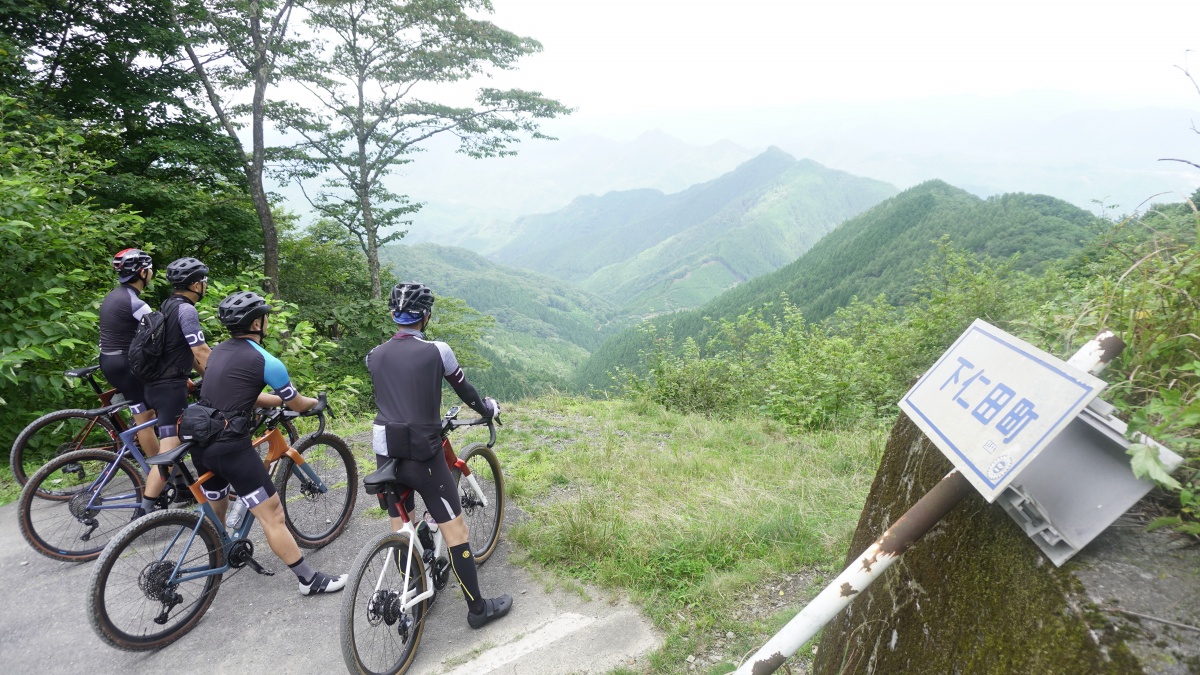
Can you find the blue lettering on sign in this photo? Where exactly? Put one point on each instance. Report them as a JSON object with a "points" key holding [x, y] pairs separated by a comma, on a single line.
{"points": [[993, 403], [1017, 419]]}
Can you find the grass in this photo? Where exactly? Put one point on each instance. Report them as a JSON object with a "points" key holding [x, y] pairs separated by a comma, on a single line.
{"points": [[684, 513]]}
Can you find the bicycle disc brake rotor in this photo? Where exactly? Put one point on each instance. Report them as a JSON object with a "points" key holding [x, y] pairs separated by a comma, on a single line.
{"points": [[79, 505], [153, 579], [384, 606]]}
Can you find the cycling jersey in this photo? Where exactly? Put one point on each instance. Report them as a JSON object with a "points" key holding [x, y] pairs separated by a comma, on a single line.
{"points": [[237, 371], [407, 373], [120, 313], [183, 333]]}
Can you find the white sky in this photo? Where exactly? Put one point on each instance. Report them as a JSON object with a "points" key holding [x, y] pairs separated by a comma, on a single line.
{"points": [[624, 61]]}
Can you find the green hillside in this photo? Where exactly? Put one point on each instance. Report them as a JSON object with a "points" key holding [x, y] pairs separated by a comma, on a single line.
{"points": [[650, 252], [879, 252], [544, 327], [762, 230]]}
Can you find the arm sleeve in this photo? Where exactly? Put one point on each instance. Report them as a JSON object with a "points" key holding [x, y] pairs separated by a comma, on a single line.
{"points": [[458, 380], [189, 324]]}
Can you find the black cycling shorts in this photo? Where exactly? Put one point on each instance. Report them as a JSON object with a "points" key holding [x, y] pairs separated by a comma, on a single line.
{"points": [[168, 398], [235, 463], [116, 370], [433, 481]]}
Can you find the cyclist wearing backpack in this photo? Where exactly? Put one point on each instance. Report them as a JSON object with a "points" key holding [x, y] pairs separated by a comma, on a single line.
{"points": [[120, 313], [407, 373], [181, 349], [238, 369]]}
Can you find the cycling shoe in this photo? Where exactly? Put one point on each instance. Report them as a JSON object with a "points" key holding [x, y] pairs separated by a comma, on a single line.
{"points": [[493, 608]]}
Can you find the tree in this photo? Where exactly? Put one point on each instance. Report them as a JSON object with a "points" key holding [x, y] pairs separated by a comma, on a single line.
{"points": [[241, 43], [365, 120]]}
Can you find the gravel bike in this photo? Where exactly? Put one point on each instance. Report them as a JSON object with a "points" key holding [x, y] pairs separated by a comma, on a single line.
{"points": [[73, 505], [395, 578], [157, 577]]}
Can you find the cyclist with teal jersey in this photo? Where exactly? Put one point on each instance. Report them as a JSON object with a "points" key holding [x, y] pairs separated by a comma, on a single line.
{"points": [[407, 373], [238, 370]]}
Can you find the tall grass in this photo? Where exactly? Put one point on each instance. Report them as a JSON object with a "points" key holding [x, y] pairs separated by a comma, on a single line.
{"points": [[684, 512]]}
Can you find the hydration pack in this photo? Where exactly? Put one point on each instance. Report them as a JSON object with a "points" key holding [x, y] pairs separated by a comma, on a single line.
{"points": [[148, 352]]}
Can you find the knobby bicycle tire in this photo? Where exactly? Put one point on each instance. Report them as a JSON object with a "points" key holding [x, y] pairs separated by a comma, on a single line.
{"points": [[128, 583], [483, 522], [58, 433], [315, 518], [52, 507], [377, 637]]}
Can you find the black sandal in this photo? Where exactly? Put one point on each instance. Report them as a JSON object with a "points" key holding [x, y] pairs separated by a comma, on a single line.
{"points": [[493, 608]]}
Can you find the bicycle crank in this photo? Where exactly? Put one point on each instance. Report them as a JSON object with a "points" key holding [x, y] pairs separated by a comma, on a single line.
{"points": [[241, 554]]}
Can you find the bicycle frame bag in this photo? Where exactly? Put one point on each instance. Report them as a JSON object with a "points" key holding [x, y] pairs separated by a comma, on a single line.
{"points": [[418, 442]]}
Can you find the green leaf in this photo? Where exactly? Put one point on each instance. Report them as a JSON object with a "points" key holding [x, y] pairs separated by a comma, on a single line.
{"points": [[1146, 465], [1165, 521]]}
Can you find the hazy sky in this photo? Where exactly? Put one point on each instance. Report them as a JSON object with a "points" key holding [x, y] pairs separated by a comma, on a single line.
{"points": [[630, 65]]}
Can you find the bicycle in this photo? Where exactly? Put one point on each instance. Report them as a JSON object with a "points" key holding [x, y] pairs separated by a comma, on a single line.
{"points": [[389, 591], [63, 431], [71, 506], [160, 574]]}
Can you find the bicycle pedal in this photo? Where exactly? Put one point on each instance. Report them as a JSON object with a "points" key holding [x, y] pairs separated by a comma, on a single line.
{"points": [[259, 568]]}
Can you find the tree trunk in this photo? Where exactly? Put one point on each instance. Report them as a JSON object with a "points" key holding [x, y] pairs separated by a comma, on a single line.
{"points": [[254, 172]]}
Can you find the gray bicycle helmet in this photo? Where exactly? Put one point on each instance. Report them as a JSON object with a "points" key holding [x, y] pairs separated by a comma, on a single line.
{"points": [[410, 302], [237, 311], [129, 262], [186, 271]]}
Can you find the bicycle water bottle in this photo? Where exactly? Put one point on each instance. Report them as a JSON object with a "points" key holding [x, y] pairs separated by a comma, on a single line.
{"points": [[237, 513]]}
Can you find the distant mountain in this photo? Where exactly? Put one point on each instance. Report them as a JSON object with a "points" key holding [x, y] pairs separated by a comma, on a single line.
{"points": [[544, 327], [880, 251], [470, 202], [653, 252]]}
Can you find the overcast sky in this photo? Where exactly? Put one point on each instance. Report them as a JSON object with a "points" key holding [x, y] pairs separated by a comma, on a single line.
{"points": [[632, 65]]}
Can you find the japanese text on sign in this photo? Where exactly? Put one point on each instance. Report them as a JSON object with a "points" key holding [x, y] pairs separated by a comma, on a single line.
{"points": [[993, 401]]}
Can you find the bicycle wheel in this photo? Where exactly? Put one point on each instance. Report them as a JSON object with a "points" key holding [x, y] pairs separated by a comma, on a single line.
{"points": [[315, 518], [58, 433], [483, 522], [378, 635], [53, 506], [130, 604]]}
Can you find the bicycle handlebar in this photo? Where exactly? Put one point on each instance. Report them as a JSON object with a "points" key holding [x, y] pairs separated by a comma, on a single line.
{"points": [[491, 422]]}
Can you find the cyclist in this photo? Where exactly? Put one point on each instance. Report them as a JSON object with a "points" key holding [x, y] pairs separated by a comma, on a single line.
{"points": [[120, 312], [185, 349], [407, 373], [237, 371]]}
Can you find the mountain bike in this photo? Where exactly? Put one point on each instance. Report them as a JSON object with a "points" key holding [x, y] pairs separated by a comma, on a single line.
{"points": [[157, 577], [71, 506], [395, 578]]}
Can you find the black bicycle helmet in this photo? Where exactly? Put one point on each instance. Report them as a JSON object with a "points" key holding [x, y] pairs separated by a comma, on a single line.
{"points": [[129, 262], [411, 300], [237, 311], [186, 271]]}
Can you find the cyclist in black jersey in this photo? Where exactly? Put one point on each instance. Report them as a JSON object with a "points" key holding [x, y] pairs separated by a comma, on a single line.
{"points": [[407, 373], [186, 349], [120, 312], [237, 371]]}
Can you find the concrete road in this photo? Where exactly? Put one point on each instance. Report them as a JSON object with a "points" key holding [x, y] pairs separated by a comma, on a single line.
{"points": [[260, 624]]}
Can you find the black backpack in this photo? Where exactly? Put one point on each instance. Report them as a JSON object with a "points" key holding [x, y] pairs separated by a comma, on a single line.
{"points": [[148, 352]]}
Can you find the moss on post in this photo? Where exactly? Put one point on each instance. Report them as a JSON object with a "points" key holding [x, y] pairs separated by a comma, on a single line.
{"points": [[974, 596]]}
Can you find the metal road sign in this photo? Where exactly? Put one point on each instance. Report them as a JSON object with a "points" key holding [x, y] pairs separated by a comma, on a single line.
{"points": [[992, 402]]}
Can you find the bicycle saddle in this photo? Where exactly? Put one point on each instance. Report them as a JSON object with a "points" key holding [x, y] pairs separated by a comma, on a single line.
{"points": [[169, 457], [375, 483], [81, 372]]}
